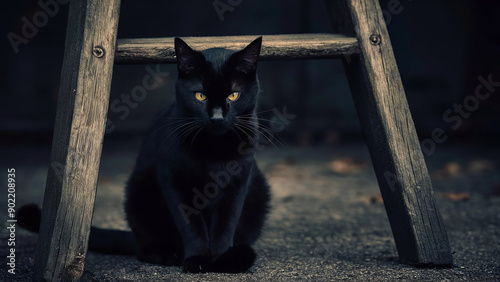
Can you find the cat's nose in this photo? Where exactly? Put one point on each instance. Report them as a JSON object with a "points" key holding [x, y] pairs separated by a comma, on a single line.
{"points": [[217, 113]]}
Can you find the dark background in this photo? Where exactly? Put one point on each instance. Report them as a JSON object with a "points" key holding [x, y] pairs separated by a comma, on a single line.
{"points": [[328, 220], [441, 47]]}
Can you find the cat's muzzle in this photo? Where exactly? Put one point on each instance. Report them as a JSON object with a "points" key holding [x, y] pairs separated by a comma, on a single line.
{"points": [[218, 126]]}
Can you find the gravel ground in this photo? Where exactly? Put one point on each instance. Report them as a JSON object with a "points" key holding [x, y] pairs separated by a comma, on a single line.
{"points": [[327, 222]]}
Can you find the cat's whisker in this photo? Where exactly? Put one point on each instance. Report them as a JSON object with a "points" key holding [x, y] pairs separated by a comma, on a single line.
{"points": [[265, 133], [187, 132], [196, 134], [171, 123], [268, 129], [268, 139], [252, 125], [272, 132], [240, 127], [237, 134], [182, 126], [256, 123], [260, 119], [263, 111], [255, 131], [179, 128]]}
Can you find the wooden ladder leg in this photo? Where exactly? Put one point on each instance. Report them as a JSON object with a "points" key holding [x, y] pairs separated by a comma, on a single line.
{"points": [[381, 104], [78, 136]]}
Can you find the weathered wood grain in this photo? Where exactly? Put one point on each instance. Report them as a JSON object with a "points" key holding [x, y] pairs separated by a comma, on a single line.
{"points": [[274, 47], [79, 130], [416, 223]]}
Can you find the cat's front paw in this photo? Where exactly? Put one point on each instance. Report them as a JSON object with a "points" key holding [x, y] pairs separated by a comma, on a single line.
{"points": [[235, 260], [197, 264]]}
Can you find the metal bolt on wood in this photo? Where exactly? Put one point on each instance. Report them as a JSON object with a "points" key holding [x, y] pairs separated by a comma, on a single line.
{"points": [[375, 39], [98, 51]]}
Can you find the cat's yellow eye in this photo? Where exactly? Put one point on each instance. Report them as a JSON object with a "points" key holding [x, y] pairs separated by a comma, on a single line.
{"points": [[233, 96], [199, 96]]}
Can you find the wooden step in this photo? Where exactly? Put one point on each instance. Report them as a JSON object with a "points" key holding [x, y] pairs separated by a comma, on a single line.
{"points": [[274, 47]]}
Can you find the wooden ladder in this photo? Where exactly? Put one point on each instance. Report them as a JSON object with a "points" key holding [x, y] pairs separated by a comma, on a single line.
{"points": [[362, 43]]}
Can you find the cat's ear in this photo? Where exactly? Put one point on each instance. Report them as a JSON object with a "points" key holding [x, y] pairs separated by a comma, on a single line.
{"points": [[246, 60], [187, 58]]}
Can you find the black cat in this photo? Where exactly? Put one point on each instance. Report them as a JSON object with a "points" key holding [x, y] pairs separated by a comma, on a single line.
{"points": [[196, 196]]}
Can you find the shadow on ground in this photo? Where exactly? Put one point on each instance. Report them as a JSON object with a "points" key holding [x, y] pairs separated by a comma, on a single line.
{"points": [[327, 222]]}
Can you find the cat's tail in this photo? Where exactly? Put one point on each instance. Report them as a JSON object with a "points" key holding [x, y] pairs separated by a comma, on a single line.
{"points": [[116, 242]]}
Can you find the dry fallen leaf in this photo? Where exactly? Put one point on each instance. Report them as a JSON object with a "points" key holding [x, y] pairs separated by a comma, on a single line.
{"points": [[447, 170], [451, 168], [377, 199], [277, 170], [282, 168], [479, 166], [455, 196], [348, 165]]}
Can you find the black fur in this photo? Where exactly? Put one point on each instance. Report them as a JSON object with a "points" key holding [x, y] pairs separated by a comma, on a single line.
{"points": [[101, 240], [196, 197]]}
